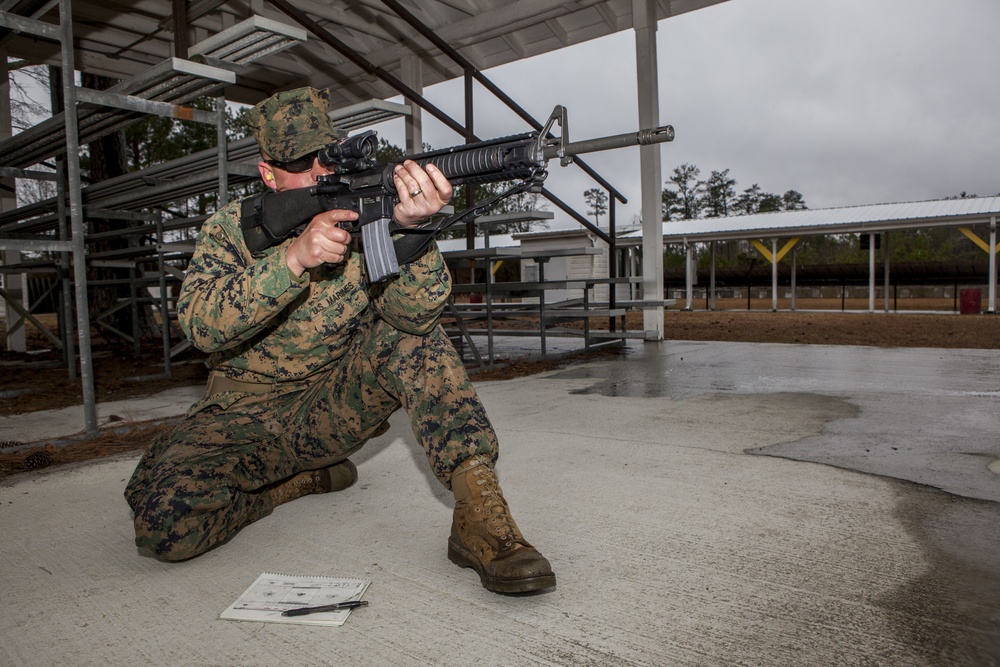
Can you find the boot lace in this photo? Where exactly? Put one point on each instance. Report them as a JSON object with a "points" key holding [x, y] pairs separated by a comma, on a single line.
{"points": [[498, 520]]}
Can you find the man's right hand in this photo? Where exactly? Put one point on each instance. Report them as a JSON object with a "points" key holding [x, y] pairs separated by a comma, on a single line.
{"points": [[322, 242]]}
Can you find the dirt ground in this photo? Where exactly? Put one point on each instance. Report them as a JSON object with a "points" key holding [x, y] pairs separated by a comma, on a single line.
{"points": [[915, 327], [39, 381]]}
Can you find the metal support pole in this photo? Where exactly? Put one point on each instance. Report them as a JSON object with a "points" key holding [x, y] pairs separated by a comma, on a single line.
{"points": [[76, 218], [488, 299], [180, 14], [651, 182], [634, 290], [689, 278], [62, 216], [164, 300], [774, 275], [711, 278], [222, 141], [65, 271], [991, 301], [541, 299], [470, 200], [16, 284], [885, 266], [871, 273], [133, 292], [412, 73], [795, 251], [612, 263]]}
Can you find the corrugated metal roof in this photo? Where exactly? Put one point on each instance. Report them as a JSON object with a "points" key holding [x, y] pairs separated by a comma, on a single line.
{"points": [[851, 219]]}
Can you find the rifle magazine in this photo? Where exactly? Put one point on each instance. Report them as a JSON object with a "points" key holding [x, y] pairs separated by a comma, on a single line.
{"points": [[380, 254]]}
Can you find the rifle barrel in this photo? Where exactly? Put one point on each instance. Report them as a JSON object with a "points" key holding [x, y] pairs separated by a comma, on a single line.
{"points": [[644, 137]]}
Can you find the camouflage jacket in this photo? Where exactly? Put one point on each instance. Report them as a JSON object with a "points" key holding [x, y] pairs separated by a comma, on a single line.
{"points": [[262, 324]]}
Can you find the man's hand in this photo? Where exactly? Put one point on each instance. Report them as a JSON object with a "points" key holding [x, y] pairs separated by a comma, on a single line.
{"points": [[322, 242], [422, 192]]}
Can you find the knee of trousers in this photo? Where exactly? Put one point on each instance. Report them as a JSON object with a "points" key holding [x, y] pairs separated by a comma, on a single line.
{"points": [[160, 532], [177, 527], [389, 339]]}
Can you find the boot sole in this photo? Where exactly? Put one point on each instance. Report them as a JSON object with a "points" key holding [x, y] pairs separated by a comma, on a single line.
{"points": [[462, 558]]}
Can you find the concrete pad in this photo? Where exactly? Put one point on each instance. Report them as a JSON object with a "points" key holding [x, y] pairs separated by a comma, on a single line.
{"points": [[671, 546]]}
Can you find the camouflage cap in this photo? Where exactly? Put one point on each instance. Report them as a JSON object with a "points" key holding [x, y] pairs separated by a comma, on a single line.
{"points": [[292, 123]]}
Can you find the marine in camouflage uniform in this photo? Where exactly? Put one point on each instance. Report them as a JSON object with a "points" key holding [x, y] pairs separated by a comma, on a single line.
{"points": [[308, 363]]}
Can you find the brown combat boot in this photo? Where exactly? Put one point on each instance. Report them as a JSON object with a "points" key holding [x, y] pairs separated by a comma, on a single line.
{"points": [[337, 477], [485, 537]]}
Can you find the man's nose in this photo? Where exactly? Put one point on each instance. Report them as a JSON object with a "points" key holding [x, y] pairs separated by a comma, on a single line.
{"points": [[318, 169]]}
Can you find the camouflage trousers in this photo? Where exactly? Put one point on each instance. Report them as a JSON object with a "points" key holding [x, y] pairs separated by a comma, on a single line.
{"points": [[209, 477]]}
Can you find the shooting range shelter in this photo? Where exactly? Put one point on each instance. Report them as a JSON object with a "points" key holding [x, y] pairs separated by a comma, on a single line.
{"points": [[363, 52], [766, 230]]}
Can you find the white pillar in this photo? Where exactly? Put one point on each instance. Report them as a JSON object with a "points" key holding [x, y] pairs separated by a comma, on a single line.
{"points": [[689, 274], [633, 270], [871, 273], [412, 74], [991, 302], [774, 275], [711, 279], [795, 250], [885, 266], [644, 23]]}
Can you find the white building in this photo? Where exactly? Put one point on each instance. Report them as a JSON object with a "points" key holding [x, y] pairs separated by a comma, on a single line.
{"points": [[591, 262]]}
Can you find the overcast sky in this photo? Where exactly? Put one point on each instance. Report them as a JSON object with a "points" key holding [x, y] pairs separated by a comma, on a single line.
{"points": [[846, 101]]}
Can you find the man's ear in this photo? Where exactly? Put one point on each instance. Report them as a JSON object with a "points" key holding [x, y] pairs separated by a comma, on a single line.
{"points": [[266, 174]]}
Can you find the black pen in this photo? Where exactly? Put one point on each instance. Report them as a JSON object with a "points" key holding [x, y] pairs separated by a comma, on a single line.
{"points": [[302, 611]]}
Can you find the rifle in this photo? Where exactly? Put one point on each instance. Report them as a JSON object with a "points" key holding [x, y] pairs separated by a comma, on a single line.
{"points": [[359, 184]]}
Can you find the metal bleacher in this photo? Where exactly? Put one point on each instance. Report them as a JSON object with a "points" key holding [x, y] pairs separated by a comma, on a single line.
{"points": [[174, 82], [159, 248]]}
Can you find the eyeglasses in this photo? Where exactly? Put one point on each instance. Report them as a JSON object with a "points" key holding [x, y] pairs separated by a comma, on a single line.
{"points": [[296, 166]]}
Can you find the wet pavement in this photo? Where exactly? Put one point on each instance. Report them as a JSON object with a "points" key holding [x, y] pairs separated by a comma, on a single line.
{"points": [[922, 415]]}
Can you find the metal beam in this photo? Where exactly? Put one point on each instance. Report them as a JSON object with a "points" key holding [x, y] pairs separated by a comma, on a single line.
{"points": [[76, 220], [11, 172], [30, 26], [30, 245], [26, 315], [324, 35], [131, 103]]}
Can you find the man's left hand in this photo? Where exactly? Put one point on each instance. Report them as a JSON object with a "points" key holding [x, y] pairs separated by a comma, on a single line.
{"points": [[422, 192]]}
